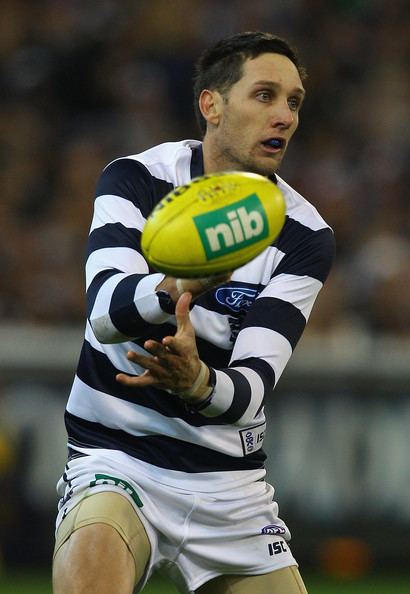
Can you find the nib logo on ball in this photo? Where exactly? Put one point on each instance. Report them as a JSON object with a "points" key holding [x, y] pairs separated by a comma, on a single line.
{"points": [[226, 229], [213, 224]]}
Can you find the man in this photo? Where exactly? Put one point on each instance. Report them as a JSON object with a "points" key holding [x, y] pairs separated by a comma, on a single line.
{"points": [[165, 418]]}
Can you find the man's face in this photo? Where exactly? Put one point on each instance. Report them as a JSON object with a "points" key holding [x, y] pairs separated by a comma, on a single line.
{"points": [[258, 116]]}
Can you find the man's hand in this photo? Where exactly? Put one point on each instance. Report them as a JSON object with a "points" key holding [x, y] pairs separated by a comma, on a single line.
{"points": [[196, 286], [174, 364]]}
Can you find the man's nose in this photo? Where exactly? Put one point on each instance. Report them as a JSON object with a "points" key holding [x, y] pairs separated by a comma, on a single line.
{"points": [[282, 115]]}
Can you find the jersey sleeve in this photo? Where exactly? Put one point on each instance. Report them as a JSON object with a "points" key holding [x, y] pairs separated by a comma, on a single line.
{"points": [[121, 300], [270, 331]]}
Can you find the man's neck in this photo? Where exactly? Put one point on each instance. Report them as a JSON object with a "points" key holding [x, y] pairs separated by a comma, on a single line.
{"points": [[214, 160]]}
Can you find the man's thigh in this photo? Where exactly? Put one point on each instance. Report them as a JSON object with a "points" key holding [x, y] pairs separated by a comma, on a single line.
{"points": [[94, 560], [281, 581], [101, 527]]}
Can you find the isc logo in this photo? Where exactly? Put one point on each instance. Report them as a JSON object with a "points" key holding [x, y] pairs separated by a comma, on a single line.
{"points": [[225, 229], [275, 548]]}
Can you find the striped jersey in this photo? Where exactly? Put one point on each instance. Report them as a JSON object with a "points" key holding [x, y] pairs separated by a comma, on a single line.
{"points": [[246, 331]]}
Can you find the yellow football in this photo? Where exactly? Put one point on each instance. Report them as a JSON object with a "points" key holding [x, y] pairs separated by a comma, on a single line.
{"points": [[213, 224]]}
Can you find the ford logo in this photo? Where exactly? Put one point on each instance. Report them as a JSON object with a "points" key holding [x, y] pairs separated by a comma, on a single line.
{"points": [[236, 298]]}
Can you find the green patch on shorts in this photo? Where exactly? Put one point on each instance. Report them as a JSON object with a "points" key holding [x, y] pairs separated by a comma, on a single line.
{"points": [[106, 479]]}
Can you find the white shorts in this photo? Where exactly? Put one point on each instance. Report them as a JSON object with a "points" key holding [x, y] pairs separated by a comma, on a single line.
{"points": [[194, 536]]}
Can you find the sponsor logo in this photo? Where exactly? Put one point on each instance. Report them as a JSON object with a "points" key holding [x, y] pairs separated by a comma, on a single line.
{"points": [[273, 529], [236, 298], [275, 548], [225, 229], [105, 479], [252, 438]]}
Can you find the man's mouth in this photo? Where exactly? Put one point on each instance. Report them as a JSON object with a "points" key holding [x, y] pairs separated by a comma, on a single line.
{"points": [[275, 144]]}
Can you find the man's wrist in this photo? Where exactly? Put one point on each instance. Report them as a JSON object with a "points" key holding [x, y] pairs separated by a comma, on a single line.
{"points": [[168, 285], [204, 393], [200, 385], [205, 400], [200, 393], [166, 302]]}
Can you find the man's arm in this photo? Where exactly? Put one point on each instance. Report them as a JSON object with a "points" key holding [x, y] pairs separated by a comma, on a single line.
{"points": [[271, 330], [268, 336], [121, 290]]}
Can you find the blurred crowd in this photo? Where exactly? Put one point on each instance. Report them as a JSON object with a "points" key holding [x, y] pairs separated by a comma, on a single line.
{"points": [[84, 82]]}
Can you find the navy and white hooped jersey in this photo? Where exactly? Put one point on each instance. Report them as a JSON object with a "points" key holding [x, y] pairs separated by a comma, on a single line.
{"points": [[246, 330]]}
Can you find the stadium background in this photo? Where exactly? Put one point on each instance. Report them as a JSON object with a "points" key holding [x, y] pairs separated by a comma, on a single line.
{"points": [[85, 82]]}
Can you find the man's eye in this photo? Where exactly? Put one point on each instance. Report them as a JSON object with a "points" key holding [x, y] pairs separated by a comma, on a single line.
{"points": [[264, 95], [294, 103]]}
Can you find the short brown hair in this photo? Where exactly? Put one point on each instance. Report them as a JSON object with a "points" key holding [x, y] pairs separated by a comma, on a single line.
{"points": [[220, 66]]}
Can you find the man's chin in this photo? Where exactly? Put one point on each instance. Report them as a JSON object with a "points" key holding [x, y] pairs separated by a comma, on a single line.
{"points": [[268, 165], [266, 169], [262, 165]]}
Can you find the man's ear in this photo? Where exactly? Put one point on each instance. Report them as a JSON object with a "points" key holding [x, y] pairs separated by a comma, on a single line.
{"points": [[210, 104]]}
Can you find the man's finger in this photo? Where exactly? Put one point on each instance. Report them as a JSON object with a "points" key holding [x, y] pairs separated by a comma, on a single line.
{"points": [[156, 364], [139, 358], [156, 348], [182, 311], [135, 381], [174, 346]]}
